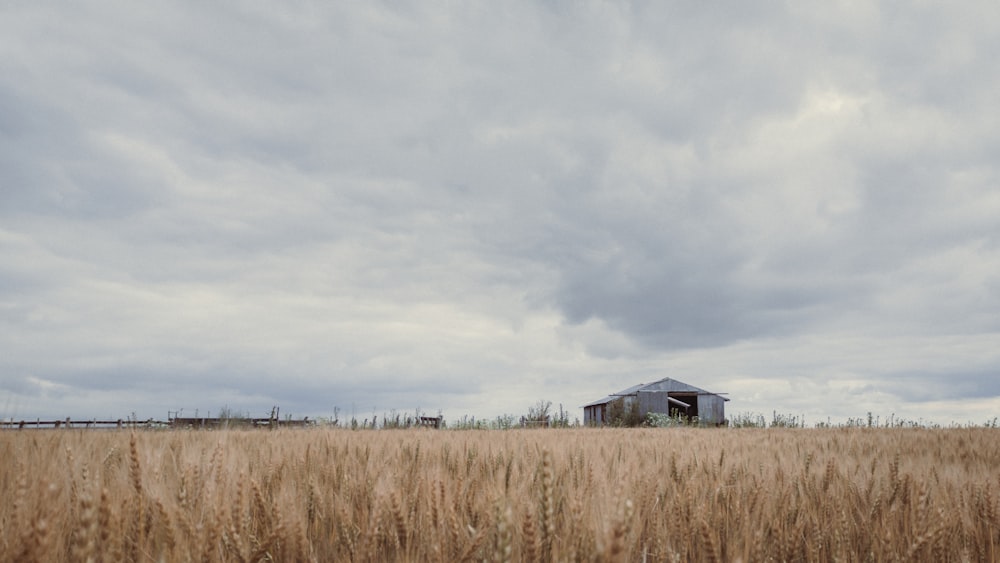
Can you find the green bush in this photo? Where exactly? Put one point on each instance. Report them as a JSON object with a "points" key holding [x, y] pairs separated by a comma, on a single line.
{"points": [[624, 415]]}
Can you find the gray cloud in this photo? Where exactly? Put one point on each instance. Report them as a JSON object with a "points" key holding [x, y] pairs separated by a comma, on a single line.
{"points": [[468, 208], [944, 385]]}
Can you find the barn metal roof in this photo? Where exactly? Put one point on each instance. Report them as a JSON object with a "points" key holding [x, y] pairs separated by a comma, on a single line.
{"points": [[663, 385]]}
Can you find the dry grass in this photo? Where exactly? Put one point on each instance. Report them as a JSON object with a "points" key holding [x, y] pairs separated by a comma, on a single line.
{"points": [[533, 495]]}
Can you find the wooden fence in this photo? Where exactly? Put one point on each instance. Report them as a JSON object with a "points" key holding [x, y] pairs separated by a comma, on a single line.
{"points": [[199, 422], [93, 423]]}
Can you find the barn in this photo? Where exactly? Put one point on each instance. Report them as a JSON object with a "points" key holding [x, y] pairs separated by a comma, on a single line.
{"points": [[667, 396]]}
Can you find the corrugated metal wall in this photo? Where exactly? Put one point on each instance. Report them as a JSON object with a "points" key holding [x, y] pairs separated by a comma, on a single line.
{"points": [[711, 409], [653, 402], [594, 415]]}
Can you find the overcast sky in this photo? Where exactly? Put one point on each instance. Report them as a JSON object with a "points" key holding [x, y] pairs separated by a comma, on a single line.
{"points": [[468, 207]]}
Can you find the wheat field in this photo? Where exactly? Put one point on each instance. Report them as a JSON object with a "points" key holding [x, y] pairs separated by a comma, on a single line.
{"points": [[682, 494]]}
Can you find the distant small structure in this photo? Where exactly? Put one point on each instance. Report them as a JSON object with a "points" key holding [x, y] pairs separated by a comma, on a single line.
{"points": [[666, 396], [430, 421], [543, 422]]}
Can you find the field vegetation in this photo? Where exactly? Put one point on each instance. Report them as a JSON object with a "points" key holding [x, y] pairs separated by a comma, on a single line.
{"points": [[577, 494]]}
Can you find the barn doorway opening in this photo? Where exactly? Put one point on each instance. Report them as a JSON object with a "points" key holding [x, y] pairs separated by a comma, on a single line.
{"points": [[679, 410]]}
